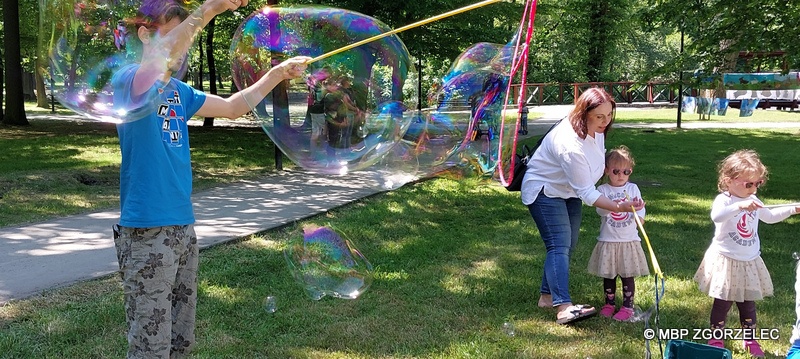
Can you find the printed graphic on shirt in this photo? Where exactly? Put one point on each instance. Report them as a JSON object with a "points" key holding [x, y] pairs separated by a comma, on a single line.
{"points": [[171, 112], [745, 235], [619, 219]]}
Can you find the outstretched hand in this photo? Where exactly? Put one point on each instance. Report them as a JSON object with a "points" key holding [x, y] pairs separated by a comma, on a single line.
{"points": [[750, 205], [633, 205], [219, 6], [293, 67]]}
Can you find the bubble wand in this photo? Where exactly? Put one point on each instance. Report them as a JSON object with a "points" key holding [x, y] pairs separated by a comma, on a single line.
{"points": [[659, 275], [782, 205], [404, 28], [656, 267]]}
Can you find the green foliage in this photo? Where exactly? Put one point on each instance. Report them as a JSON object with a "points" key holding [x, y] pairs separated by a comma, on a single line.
{"points": [[574, 40], [717, 31]]}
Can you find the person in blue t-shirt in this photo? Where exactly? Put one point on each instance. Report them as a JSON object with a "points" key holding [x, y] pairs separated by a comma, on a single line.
{"points": [[155, 238]]}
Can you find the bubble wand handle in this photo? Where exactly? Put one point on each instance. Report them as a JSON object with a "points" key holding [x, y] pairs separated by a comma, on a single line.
{"points": [[656, 267], [404, 28], [797, 204]]}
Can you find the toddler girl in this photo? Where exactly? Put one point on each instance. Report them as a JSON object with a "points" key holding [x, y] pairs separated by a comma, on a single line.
{"points": [[732, 269], [618, 252]]}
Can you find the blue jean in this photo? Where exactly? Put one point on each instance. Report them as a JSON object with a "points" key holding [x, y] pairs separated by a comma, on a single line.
{"points": [[559, 221]]}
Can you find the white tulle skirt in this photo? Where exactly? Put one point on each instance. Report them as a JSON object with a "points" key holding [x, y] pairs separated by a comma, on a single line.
{"points": [[729, 279], [612, 259]]}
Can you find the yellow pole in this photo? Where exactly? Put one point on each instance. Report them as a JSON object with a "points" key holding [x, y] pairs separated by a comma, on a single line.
{"points": [[656, 267], [404, 28]]}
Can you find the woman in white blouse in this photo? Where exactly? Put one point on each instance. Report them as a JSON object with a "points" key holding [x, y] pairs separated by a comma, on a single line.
{"points": [[561, 174]]}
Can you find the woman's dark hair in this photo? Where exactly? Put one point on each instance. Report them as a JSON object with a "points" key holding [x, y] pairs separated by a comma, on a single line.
{"points": [[589, 100]]}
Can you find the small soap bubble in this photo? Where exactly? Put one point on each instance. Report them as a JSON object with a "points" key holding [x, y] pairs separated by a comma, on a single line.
{"points": [[796, 255], [508, 328], [324, 263], [270, 305]]}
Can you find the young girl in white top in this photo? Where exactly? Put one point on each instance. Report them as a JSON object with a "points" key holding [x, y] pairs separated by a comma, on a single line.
{"points": [[732, 269], [618, 252]]}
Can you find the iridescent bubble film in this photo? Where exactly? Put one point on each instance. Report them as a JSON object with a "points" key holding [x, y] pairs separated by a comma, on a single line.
{"points": [[351, 109], [460, 133], [325, 264], [468, 116], [88, 41]]}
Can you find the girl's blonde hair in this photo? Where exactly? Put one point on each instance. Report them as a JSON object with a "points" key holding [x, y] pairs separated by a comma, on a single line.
{"points": [[739, 163], [621, 154]]}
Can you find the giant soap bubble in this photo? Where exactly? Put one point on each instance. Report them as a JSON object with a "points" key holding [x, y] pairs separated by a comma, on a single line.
{"points": [[351, 109], [460, 134], [90, 40], [325, 264], [464, 128]]}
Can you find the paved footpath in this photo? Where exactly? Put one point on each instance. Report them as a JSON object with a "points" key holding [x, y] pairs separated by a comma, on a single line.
{"points": [[41, 256]]}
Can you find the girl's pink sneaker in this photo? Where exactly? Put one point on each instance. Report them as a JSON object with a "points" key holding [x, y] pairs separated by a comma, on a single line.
{"points": [[607, 310], [624, 314], [752, 347]]}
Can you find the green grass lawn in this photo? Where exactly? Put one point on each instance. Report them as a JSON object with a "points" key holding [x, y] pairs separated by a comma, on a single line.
{"points": [[454, 260], [56, 167], [649, 115]]}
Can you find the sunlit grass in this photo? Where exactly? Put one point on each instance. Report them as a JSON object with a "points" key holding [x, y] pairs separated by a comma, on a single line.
{"points": [[57, 167], [651, 115]]}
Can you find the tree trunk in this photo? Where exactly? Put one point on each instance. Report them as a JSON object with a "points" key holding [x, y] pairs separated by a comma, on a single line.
{"points": [[41, 90], [280, 95], [15, 104], [212, 68], [2, 83], [199, 84]]}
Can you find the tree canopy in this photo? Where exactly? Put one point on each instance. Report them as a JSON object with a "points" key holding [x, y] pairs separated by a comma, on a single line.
{"points": [[574, 40]]}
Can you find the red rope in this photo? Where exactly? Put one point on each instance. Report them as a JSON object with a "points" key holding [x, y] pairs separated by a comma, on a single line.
{"points": [[519, 57]]}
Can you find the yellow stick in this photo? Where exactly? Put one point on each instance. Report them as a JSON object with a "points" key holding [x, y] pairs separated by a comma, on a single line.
{"points": [[404, 28], [656, 267]]}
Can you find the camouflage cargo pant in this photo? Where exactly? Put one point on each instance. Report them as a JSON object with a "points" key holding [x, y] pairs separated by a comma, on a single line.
{"points": [[158, 267]]}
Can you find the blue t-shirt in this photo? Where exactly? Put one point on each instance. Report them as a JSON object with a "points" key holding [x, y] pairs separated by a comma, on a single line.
{"points": [[156, 171]]}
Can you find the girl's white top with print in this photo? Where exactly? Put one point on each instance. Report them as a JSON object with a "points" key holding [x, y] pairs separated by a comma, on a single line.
{"points": [[619, 226], [565, 166], [736, 230]]}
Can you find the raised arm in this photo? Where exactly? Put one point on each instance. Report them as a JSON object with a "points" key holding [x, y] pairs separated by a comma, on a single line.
{"points": [[166, 43], [239, 103]]}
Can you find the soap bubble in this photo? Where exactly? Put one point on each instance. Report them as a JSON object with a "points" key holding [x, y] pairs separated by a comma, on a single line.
{"points": [[270, 304], [350, 109], [469, 108], [90, 40], [325, 264], [796, 256], [508, 328]]}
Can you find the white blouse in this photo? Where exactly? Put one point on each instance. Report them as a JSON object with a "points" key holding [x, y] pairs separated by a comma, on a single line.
{"points": [[566, 166]]}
